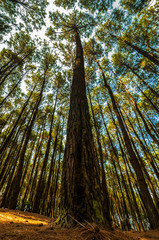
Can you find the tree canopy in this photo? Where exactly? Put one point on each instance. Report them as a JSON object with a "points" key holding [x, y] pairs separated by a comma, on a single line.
{"points": [[79, 108]]}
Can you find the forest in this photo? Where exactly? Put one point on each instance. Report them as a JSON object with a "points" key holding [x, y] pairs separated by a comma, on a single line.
{"points": [[79, 130]]}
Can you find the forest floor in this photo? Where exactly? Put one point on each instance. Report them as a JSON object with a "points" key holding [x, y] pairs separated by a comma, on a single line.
{"points": [[18, 225]]}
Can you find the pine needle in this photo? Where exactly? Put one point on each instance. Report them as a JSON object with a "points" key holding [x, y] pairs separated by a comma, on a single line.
{"points": [[77, 221]]}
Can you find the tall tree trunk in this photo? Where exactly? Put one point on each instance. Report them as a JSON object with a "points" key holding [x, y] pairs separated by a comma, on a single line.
{"points": [[5, 143], [40, 188], [120, 141], [156, 200], [12, 90], [121, 174], [18, 175], [9, 161], [38, 146], [78, 191], [139, 112], [51, 170], [139, 50], [12, 167], [147, 153], [143, 81], [55, 185], [106, 202], [150, 207], [18, 63]]}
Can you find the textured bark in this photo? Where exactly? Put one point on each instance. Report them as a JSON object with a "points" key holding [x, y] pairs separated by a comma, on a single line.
{"points": [[79, 190], [54, 190], [9, 161], [121, 144], [106, 202], [15, 148], [8, 158], [117, 208], [32, 188], [127, 221], [8, 189], [7, 165], [27, 161], [134, 206], [52, 199], [137, 191]]}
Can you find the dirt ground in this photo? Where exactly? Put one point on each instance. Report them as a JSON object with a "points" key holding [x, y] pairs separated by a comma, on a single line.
{"points": [[18, 225]]}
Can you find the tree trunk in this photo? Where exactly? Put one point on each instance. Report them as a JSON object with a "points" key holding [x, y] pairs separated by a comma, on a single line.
{"points": [[12, 90], [150, 207], [78, 191], [18, 175], [106, 202], [51, 170], [38, 146], [55, 185], [5, 143], [18, 63], [139, 50], [139, 112], [146, 151], [135, 73], [40, 188]]}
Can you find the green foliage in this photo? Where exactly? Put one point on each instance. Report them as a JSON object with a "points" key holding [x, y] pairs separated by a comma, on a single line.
{"points": [[104, 27], [68, 23], [92, 6], [31, 13], [135, 6]]}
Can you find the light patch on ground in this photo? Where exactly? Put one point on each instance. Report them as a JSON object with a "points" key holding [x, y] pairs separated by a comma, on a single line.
{"points": [[18, 225], [20, 217]]}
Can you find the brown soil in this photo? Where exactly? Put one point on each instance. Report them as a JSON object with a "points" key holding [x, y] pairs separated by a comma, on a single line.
{"points": [[18, 225]]}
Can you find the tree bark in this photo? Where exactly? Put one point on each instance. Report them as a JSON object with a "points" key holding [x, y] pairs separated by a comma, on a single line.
{"points": [[106, 201], [79, 190], [150, 207]]}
